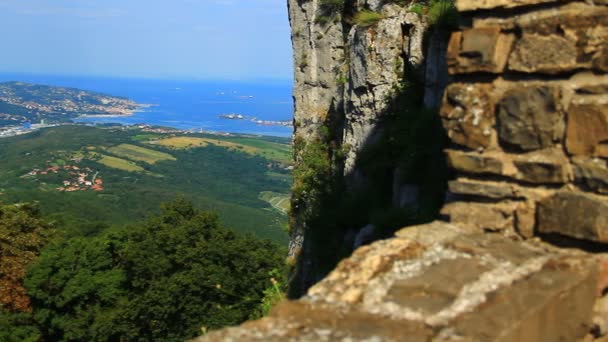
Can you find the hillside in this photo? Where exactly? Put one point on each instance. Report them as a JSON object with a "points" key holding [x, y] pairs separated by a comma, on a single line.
{"points": [[88, 178], [23, 102]]}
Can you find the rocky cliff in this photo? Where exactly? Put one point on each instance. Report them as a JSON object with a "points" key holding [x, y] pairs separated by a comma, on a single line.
{"points": [[368, 75], [520, 252]]}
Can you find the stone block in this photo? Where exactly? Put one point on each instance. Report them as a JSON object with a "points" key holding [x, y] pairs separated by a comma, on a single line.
{"points": [[471, 5], [600, 60], [593, 173], [588, 126], [575, 215], [551, 304], [525, 219], [477, 287], [543, 54], [476, 163], [544, 167], [529, 118], [479, 50], [468, 115], [581, 21], [481, 216], [487, 190]]}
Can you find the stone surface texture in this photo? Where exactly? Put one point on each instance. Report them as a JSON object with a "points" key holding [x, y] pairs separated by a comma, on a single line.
{"points": [[522, 251]]}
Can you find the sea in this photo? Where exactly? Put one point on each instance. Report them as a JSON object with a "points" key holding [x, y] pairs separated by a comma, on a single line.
{"points": [[187, 104]]}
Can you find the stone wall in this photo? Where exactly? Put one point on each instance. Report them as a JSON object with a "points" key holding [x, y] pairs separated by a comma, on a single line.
{"points": [[528, 118]]}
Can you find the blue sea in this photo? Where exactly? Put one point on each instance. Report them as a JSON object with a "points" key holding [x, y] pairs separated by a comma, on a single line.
{"points": [[188, 104]]}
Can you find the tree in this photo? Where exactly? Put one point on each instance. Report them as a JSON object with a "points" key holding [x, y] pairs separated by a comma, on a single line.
{"points": [[22, 236], [164, 279]]}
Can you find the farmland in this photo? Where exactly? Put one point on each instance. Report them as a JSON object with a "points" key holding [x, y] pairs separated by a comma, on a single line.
{"points": [[226, 175]]}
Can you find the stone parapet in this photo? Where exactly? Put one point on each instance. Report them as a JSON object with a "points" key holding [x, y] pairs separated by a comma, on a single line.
{"points": [[440, 282]]}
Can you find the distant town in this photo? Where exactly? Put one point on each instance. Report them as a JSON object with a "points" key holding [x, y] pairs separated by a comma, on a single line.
{"points": [[22, 103], [74, 178]]}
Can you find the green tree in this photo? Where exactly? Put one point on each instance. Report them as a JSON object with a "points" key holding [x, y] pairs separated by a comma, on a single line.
{"points": [[164, 279]]}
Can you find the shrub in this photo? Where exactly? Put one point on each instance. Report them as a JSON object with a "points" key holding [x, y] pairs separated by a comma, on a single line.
{"points": [[367, 18], [443, 13]]}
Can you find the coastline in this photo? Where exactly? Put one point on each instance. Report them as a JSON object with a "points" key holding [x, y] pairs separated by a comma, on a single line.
{"points": [[126, 113]]}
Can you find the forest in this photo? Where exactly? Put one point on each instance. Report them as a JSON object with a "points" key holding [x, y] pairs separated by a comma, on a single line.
{"points": [[168, 278]]}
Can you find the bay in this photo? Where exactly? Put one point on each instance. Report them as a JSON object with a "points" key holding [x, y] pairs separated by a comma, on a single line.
{"points": [[187, 104]]}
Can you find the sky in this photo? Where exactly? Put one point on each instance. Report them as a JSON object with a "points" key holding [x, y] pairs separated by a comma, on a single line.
{"points": [[170, 39]]}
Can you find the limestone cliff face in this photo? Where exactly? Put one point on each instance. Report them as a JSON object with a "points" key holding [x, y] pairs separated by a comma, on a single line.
{"points": [[348, 75]]}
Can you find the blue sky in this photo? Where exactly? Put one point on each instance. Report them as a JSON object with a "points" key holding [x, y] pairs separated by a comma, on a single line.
{"points": [[191, 39]]}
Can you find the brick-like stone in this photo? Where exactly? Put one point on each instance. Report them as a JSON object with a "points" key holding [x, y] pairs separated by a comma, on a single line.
{"points": [[593, 173], [488, 190], [576, 215], [481, 216], [544, 167], [529, 118], [468, 115], [600, 60], [525, 219], [479, 50], [471, 5], [476, 163], [587, 126], [543, 54], [558, 300]]}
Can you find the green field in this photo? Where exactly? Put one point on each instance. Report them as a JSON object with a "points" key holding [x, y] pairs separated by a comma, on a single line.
{"points": [[120, 164], [137, 153], [278, 201], [226, 175], [280, 152]]}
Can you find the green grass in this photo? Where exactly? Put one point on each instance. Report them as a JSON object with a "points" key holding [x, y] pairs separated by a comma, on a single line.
{"points": [[146, 137], [367, 18], [117, 163], [274, 151], [137, 153], [278, 201]]}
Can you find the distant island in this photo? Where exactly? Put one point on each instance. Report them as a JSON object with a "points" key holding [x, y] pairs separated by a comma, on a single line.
{"points": [[25, 103], [234, 116]]}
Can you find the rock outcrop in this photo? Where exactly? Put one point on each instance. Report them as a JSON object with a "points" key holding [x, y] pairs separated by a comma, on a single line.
{"points": [[349, 77], [521, 250]]}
